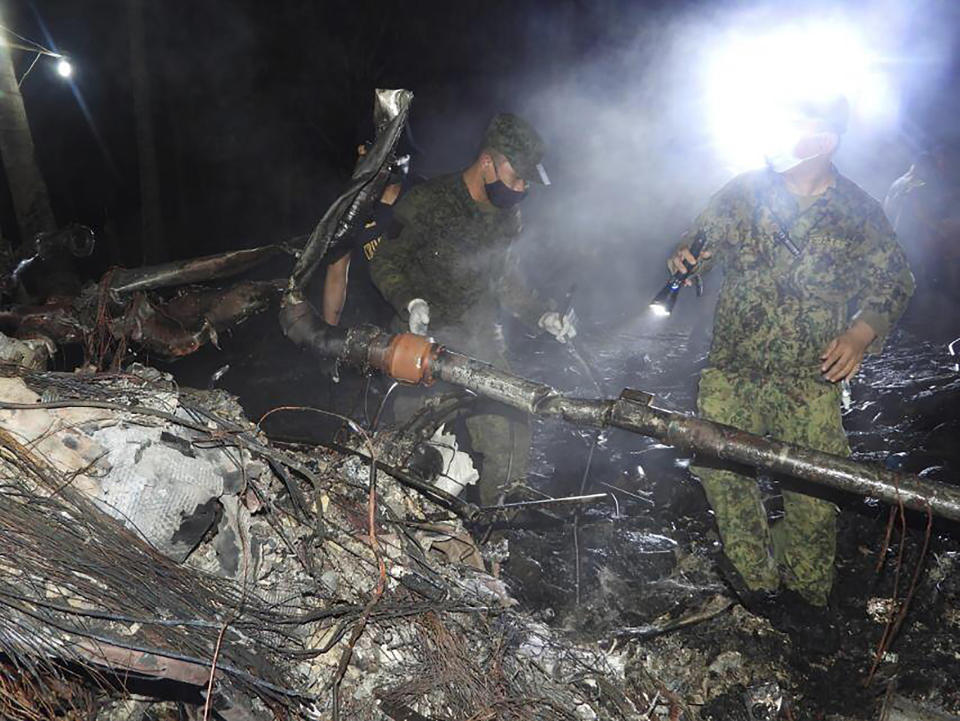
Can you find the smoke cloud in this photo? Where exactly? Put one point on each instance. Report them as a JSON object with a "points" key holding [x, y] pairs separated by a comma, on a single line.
{"points": [[629, 119]]}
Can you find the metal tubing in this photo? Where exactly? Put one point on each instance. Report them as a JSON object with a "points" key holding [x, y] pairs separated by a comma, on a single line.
{"points": [[489, 382], [195, 270], [367, 348], [633, 412], [786, 459]]}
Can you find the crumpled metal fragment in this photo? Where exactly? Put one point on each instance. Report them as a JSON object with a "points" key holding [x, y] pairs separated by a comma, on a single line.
{"points": [[764, 701], [352, 208]]}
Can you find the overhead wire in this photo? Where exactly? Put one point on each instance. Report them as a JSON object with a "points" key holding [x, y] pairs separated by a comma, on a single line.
{"points": [[35, 46], [24, 76], [31, 46]]}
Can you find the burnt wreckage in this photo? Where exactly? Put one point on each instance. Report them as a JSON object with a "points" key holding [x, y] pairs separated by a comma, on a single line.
{"points": [[161, 556]]}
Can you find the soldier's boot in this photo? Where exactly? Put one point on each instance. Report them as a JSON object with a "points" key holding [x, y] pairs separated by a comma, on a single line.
{"points": [[742, 522], [503, 447]]}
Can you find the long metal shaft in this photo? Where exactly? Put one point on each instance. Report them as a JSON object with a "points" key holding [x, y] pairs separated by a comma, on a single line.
{"points": [[414, 359], [195, 270], [633, 412]]}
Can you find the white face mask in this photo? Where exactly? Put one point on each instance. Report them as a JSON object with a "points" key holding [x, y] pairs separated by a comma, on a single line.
{"points": [[786, 157]]}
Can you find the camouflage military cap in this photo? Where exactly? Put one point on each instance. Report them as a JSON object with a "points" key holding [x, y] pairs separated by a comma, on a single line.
{"points": [[519, 142]]}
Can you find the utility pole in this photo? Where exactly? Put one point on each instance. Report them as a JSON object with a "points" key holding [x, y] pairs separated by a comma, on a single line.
{"points": [[31, 200], [150, 208]]}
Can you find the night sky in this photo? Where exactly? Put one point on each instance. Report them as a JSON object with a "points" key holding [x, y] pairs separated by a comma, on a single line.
{"points": [[258, 105]]}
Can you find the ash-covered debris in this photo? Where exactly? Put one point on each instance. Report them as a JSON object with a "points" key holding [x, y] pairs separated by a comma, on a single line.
{"points": [[153, 535], [153, 542], [637, 590]]}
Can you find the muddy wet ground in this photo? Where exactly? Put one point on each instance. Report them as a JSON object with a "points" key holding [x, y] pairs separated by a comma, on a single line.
{"points": [[651, 557]]}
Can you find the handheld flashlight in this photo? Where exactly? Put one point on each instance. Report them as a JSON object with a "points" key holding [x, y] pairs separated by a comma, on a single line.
{"points": [[664, 301]]}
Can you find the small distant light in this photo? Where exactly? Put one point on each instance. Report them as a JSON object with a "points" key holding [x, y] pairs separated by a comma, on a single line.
{"points": [[64, 68]]}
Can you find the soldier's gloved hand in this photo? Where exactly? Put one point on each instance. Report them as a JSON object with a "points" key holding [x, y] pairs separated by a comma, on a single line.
{"points": [[559, 326], [419, 311]]}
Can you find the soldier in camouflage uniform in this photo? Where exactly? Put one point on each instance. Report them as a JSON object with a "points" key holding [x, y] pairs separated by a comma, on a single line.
{"points": [[783, 336], [450, 267]]}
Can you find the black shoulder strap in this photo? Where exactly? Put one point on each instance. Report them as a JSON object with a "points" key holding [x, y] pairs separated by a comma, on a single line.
{"points": [[779, 232]]}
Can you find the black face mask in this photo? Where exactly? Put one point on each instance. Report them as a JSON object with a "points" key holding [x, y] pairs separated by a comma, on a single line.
{"points": [[500, 195]]}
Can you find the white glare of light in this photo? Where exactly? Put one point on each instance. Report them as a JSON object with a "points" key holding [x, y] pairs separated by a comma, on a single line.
{"points": [[876, 98], [659, 310], [752, 80], [64, 68]]}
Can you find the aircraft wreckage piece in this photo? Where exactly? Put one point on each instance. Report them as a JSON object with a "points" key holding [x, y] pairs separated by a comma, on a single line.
{"points": [[195, 270], [170, 328], [415, 359], [347, 213], [73, 239], [179, 326]]}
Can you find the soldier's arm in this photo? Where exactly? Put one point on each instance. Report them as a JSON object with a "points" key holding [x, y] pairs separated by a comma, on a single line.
{"points": [[718, 223], [395, 269], [517, 296], [335, 289], [884, 281]]}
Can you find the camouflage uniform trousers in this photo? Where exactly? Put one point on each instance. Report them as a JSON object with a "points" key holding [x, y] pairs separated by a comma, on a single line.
{"points": [[804, 411], [499, 436]]}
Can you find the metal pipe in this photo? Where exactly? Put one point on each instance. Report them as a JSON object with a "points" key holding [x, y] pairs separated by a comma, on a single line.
{"points": [[785, 459], [633, 412], [195, 270], [414, 359]]}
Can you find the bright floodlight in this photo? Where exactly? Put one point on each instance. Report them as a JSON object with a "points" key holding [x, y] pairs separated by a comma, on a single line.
{"points": [[755, 79], [64, 68]]}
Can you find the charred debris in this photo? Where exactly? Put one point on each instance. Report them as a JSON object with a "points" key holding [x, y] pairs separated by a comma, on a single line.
{"points": [[162, 558]]}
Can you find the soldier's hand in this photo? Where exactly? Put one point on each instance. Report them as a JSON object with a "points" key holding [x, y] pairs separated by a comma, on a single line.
{"points": [[683, 260], [561, 327], [844, 354], [419, 311]]}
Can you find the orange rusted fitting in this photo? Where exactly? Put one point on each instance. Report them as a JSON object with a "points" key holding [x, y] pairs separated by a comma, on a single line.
{"points": [[408, 358]]}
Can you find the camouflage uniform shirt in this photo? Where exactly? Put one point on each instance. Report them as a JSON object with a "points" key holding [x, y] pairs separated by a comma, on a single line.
{"points": [[777, 312], [454, 253]]}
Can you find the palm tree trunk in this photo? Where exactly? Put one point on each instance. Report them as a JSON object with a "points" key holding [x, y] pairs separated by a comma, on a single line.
{"points": [[31, 201]]}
